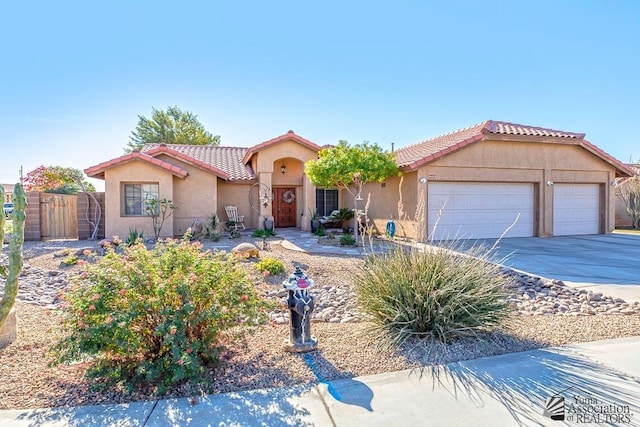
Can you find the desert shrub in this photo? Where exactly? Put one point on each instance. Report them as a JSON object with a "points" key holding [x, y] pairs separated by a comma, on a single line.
{"points": [[133, 237], [160, 316], [320, 231], [70, 260], [436, 293], [262, 233], [272, 265], [347, 240]]}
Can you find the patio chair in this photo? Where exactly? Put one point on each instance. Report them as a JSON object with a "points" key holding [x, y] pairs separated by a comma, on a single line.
{"points": [[331, 220], [238, 220]]}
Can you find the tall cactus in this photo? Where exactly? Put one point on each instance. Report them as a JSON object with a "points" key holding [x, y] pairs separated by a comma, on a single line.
{"points": [[12, 272]]}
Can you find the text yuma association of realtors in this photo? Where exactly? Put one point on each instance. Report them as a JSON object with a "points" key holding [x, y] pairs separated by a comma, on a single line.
{"points": [[591, 410]]}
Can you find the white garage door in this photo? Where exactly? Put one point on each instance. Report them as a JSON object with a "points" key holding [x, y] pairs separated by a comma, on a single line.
{"points": [[479, 210], [576, 209]]}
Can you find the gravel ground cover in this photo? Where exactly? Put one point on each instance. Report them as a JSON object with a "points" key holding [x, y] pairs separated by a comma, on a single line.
{"points": [[346, 349]]}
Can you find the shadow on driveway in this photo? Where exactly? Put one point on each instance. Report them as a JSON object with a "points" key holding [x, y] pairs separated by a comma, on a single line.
{"points": [[598, 259]]}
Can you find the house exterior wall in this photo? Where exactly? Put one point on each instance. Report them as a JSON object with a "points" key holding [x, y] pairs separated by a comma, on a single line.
{"points": [[117, 224], [537, 163], [8, 193], [196, 196], [237, 194], [384, 204]]}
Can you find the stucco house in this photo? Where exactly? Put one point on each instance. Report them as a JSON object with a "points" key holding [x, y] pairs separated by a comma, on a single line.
{"points": [[472, 183], [8, 192]]}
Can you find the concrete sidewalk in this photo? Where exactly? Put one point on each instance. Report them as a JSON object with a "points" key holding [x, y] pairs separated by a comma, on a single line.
{"points": [[599, 381]]}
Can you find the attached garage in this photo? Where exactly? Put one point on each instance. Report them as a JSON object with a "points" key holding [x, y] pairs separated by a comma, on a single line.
{"points": [[475, 182], [476, 210], [576, 209]]}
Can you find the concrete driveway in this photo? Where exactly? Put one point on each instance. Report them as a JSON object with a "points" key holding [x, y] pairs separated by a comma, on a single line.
{"points": [[605, 262]]}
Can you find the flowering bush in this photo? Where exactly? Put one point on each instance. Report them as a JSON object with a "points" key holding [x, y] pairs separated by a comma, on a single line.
{"points": [[157, 315]]}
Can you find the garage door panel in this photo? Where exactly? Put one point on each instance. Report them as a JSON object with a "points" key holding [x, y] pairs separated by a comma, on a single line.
{"points": [[576, 209], [479, 210]]}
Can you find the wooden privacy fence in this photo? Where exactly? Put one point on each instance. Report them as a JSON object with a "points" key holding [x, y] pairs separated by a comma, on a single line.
{"points": [[60, 216]]}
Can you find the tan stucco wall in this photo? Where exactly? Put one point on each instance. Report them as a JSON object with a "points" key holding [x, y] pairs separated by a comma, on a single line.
{"points": [[195, 196], [134, 172], [537, 163], [383, 204], [237, 194]]}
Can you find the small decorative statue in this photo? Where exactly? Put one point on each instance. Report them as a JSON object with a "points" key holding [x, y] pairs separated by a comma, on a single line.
{"points": [[300, 304]]}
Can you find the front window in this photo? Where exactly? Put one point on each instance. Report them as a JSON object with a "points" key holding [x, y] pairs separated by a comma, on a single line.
{"points": [[326, 201], [135, 197]]}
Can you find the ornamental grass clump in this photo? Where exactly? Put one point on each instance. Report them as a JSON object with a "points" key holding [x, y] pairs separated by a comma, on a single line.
{"points": [[435, 293], [160, 316]]}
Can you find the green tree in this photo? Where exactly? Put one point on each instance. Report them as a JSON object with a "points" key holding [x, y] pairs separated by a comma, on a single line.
{"points": [[350, 167], [172, 126]]}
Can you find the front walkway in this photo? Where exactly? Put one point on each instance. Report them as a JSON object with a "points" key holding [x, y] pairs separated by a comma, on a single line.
{"points": [[594, 383]]}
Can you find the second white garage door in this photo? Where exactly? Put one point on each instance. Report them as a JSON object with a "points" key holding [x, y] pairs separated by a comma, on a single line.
{"points": [[479, 210], [576, 209]]}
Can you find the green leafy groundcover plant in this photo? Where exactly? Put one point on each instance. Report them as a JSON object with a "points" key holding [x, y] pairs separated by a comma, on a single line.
{"points": [[436, 293], [157, 316], [271, 265]]}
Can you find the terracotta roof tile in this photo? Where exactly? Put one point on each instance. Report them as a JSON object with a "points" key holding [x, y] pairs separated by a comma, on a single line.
{"points": [[289, 135], [97, 171], [416, 155], [225, 162], [505, 128], [431, 149]]}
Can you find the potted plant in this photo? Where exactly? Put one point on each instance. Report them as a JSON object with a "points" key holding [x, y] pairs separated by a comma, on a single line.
{"points": [[315, 220], [344, 215]]}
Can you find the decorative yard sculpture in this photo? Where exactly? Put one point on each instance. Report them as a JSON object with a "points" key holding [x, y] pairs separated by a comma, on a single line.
{"points": [[300, 304], [265, 196]]}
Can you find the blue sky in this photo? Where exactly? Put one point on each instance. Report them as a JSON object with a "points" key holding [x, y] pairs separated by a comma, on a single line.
{"points": [[74, 76]]}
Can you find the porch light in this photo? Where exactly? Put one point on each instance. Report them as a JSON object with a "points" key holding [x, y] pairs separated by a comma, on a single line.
{"points": [[549, 183], [283, 169]]}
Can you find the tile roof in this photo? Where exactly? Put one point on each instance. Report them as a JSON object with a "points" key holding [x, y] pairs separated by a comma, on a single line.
{"points": [[97, 171], [505, 128], [226, 162], [430, 149], [414, 156], [289, 135]]}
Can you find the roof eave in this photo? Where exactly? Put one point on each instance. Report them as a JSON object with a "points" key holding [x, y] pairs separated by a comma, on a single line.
{"points": [[287, 136], [622, 170], [98, 171]]}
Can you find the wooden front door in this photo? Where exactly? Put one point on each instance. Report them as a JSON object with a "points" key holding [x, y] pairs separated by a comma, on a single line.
{"points": [[284, 207]]}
